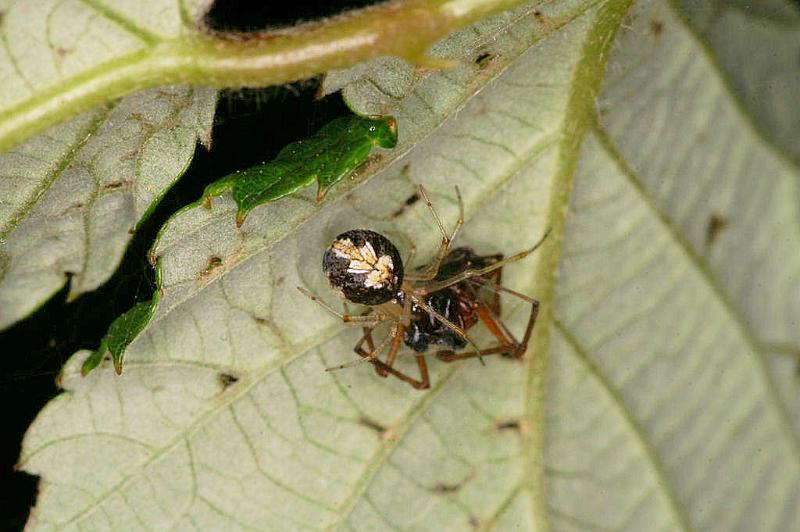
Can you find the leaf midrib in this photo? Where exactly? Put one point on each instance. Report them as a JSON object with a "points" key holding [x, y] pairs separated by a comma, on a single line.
{"points": [[588, 74]]}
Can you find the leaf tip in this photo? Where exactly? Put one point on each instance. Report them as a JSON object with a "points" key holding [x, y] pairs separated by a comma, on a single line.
{"points": [[93, 360]]}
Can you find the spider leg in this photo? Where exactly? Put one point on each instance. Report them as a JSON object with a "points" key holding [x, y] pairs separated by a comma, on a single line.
{"points": [[397, 330], [479, 272], [372, 356], [433, 268], [384, 369], [533, 303], [372, 319], [508, 344]]}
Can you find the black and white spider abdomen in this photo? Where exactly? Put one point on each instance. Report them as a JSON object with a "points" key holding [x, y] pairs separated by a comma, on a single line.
{"points": [[364, 266]]}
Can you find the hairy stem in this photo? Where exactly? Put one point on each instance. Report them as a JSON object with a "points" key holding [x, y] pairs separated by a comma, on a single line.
{"points": [[403, 29]]}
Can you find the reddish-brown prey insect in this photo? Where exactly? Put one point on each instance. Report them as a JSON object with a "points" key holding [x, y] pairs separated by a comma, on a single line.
{"points": [[433, 305]]}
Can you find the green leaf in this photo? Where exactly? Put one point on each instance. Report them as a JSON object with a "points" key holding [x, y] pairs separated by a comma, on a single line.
{"points": [[648, 398], [73, 196], [120, 334], [122, 331], [326, 157]]}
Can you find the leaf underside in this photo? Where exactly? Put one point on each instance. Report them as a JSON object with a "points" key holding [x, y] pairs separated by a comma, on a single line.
{"points": [[665, 407], [72, 196]]}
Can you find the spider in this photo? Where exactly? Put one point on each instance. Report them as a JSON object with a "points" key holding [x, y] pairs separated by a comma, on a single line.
{"points": [[432, 305]]}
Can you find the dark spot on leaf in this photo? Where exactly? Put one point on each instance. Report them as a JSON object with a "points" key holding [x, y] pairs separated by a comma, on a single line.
{"points": [[539, 16], [447, 489], [74, 207], [716, 223], [227, 380], [213, 263], [507, 425], [409, 201], [657, 27], [516, 425], [114, 185], [474, 522], [484, 59], [374, 425]]}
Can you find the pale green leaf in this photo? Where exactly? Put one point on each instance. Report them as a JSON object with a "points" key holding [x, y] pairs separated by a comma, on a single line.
{"points": [[72, 197], [657, 410]]}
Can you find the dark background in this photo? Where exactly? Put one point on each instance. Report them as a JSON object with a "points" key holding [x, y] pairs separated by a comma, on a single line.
{"points": [[244, 134]]}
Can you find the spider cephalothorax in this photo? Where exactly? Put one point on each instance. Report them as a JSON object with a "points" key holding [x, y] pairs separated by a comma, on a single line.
{"points": [[431, 305]]}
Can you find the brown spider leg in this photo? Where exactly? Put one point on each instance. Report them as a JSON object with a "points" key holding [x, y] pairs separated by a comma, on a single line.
{"points": [[534, 309], [508, 344], [479, 272], [405, 319], [497, 277], [433, 267], [492, 282], [372, 356], [385, 369], [368, 338], [372, 319], [449, 324]]}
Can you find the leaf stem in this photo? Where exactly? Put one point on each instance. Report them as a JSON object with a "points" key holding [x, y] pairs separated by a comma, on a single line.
{"points": [[403, 28]]}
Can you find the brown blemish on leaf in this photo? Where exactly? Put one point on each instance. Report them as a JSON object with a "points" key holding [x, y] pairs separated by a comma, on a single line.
{"points": [[474, 522], [213, 264], [448, 489], [116, 185], [374, 425], [484, 59], [216, 265], [227, 380], [384, 433], [517, 425], [716, 223], [75, 207], [656, 27], [411, 200]]}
